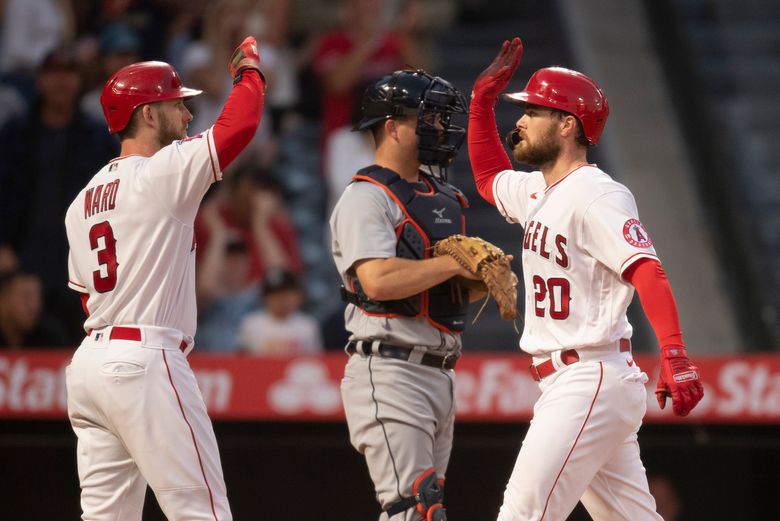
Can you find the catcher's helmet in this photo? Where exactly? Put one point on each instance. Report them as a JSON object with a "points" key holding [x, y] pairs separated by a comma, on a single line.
{"points": [[137, 84], [414, 92], [569, 91]]}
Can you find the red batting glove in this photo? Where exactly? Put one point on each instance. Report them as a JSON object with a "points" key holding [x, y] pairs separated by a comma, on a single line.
{"points": [[679, 379], [496, 77], [245, 57]]}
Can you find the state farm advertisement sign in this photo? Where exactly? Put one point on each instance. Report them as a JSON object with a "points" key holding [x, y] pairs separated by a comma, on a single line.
{"points": [[489, 387]]}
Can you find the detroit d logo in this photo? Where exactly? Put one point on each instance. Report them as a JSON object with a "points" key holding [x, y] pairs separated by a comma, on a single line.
{"points": [[636, 235]]}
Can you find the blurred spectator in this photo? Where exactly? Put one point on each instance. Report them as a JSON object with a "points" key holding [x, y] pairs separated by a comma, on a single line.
{"points": [[32, 28], [226, 22], [332, 326], [150, 19], [271, 26], [12, 104], [118, 45], [345, 59], [667, 501], [346, 153], [8, 259], [420, 23], [253, 211], [46, 156], [224, 295], [201, 70], [22, 321], [242, 233], [280, 328]]}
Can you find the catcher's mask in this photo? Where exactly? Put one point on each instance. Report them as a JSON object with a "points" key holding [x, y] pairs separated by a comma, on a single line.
{"points": [[415, 92]]}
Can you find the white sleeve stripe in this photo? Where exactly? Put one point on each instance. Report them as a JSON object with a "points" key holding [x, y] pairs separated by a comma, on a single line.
{"points": [[635, 257]]}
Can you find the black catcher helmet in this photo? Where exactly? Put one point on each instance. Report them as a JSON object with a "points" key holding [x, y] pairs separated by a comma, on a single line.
{"points": [[415, 92]]}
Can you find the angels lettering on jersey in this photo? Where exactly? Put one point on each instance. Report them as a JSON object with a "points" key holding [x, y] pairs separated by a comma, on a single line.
{"points": [[539, 239]]}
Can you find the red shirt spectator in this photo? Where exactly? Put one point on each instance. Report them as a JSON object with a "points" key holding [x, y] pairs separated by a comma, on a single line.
{"points": [[252, 212], [376, 57]]}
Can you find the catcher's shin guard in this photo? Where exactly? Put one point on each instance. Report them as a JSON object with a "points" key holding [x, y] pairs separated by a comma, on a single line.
{"points": [[427, 498]]}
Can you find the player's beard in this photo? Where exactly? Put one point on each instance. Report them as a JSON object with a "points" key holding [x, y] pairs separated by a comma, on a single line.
{"points": [[167, 132], [543, 153]]}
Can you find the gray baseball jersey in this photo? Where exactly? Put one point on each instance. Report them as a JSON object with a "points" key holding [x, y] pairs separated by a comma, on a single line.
{"points": [[400, 414], [363, 227]]}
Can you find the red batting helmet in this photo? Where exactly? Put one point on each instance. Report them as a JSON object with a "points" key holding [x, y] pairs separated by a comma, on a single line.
{"points": [[569, 91], [137, 84]]}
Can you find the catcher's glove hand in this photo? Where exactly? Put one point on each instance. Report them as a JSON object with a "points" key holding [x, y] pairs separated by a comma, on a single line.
{"points": [[488, 262]]}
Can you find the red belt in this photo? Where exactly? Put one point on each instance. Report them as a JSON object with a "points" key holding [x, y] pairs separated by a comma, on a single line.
{"points": [[568, 357], [133, 333]]}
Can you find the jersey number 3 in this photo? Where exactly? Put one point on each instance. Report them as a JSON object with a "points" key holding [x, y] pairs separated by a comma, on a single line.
{"points": [[558, 290], [106, 256]]}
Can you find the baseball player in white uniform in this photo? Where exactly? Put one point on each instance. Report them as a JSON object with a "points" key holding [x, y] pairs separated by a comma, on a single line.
{"points": [[404, 312], [133, 401], [584, 252]]}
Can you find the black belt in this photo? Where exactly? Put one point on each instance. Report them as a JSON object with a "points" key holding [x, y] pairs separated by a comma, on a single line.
{"points": [[401, 353]]}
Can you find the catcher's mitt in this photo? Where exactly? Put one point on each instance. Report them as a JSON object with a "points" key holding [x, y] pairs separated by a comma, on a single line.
{"points": [[489, 263]]}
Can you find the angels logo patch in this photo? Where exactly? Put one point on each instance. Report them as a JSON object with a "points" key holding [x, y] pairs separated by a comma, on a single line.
{"points": [[636, 235]]}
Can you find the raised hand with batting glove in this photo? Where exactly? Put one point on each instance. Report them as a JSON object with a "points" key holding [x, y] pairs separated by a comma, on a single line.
{"points": [[496, 76], [678, 379], [246, 56]]}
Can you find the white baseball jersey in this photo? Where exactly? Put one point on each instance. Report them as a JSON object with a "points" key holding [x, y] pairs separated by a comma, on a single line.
{"points": [[132, 246], [580, 235]]}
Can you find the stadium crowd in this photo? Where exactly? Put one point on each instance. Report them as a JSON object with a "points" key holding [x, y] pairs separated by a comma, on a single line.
{"points": [[264, 268]]}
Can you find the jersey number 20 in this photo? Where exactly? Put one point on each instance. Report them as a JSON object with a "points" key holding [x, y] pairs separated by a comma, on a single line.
{"points": [[106, 256], [558, 290]]}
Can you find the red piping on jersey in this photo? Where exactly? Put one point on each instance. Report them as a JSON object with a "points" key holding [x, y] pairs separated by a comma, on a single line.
{"points": [[192, 433], [486, 153], [123, 157], [632, 259], [387, 190], [237, 123], [213, 170], [369, 313], [567, 175], [438, 326], [655, 294], [430, 193], [77, 284], [499, 202], [584, 423]]}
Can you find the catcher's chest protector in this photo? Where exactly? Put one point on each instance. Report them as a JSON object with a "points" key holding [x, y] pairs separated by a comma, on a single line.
{"points": [[430, 217]]}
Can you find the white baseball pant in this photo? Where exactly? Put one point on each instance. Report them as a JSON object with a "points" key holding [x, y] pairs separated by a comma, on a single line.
{"points": [[140, 418], [582, 444]]}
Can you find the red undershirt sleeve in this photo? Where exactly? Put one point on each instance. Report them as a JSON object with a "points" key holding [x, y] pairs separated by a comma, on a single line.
{"points": [[486, 153], [237, 123], [655, 294], [84, 299]]}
